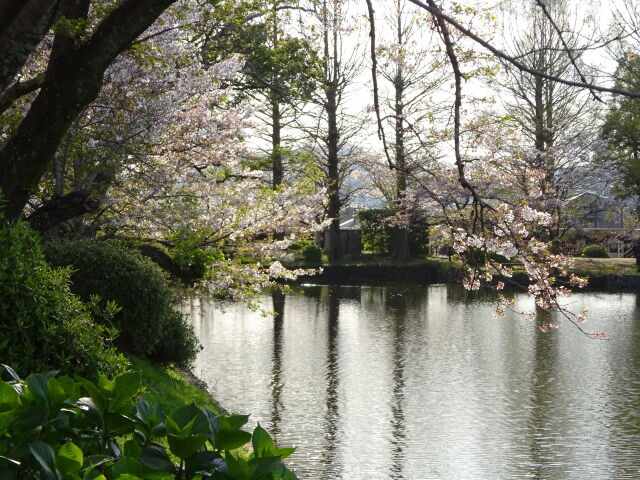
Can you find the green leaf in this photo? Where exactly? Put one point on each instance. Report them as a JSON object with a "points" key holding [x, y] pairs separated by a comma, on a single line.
{"points": [[92, 411], [266, 466], [46, 460], [263, 444], [128, 465], [231, 439], [29, 419], [69, 459], [6, 418], [156, 458], [9, 398], [38, 386], [183, 446], [238, 467], [202, 462], [126, 386], [234, 422], [56, 392], [132, 449]]}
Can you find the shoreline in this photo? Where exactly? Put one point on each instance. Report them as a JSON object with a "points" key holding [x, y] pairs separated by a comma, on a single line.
{"points": [[435, 270]]}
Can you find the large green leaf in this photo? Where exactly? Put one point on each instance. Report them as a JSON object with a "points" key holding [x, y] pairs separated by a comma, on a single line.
{"points": [[69, 459], [202, 462], [6, 418], [28, 420], [126, 386], [266, 468], [238, 468], [46, 460], [156, 458], [92, 411], [231, 439], [56, 392], [9, 398], [183, 446], [233, 422], [38, 386], [263, 444]]}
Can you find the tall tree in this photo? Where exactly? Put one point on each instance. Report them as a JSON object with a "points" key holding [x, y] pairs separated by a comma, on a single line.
{"points": [[556, 121], [332, 127], [412, 68]]}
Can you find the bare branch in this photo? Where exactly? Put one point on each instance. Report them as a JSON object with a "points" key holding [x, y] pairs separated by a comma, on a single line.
{"points": [[435, 11]]}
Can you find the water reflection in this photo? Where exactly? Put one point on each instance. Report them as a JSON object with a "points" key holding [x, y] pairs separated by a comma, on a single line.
{"points": [[424, 382], [277, 385], [332, 414]]}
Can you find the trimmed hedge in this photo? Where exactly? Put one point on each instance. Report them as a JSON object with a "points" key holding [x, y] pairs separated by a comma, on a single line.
{"points": [[595, 251], [44, 326], [149, 326]]}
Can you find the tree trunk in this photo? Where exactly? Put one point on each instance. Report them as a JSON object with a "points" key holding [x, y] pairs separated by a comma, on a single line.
{"points": [[276, 149], [73, 80], [23, 25], [333, 244]]}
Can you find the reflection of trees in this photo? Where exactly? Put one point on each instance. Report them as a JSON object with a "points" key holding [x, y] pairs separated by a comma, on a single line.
{"points": [[542, 396], [332, 415], [624, 398], [396, 309], [277, 385]]}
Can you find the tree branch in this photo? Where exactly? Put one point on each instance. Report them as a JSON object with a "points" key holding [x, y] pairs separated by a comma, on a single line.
{"points": [[436, 12]]}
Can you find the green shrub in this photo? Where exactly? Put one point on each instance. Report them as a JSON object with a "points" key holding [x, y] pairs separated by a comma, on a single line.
{"points": [[149, 327], [378, 233], [44, 326], [312, 254], [64, 429], [188, 251], [595, 251]]}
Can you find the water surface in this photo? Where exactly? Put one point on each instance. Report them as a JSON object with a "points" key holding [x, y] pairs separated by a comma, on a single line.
{"points": [[421, 382]]}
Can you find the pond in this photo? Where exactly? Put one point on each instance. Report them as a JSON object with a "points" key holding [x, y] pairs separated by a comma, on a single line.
{"points": [[423, 382]]}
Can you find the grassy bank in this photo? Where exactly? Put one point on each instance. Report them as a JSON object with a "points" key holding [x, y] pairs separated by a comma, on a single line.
{"points": [[170, 387]]}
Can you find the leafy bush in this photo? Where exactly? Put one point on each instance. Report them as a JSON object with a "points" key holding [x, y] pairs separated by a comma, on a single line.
{"points": [[44, 326], [595, 251], [149, 327], [188, 251], [377, 233], [312, 254], [64, 429]]}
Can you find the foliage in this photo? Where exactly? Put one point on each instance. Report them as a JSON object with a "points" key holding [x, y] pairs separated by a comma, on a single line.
{"points": [[621, 129], [188, 251], [595, 251], [312, 254], [376, 235], [57, 428], [377, 232], [44, 326], [149, 327]]}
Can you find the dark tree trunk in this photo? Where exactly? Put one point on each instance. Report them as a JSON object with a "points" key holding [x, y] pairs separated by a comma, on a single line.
{"points": [[276, 150], [334, 247], [73, 80], [23, 25]]}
